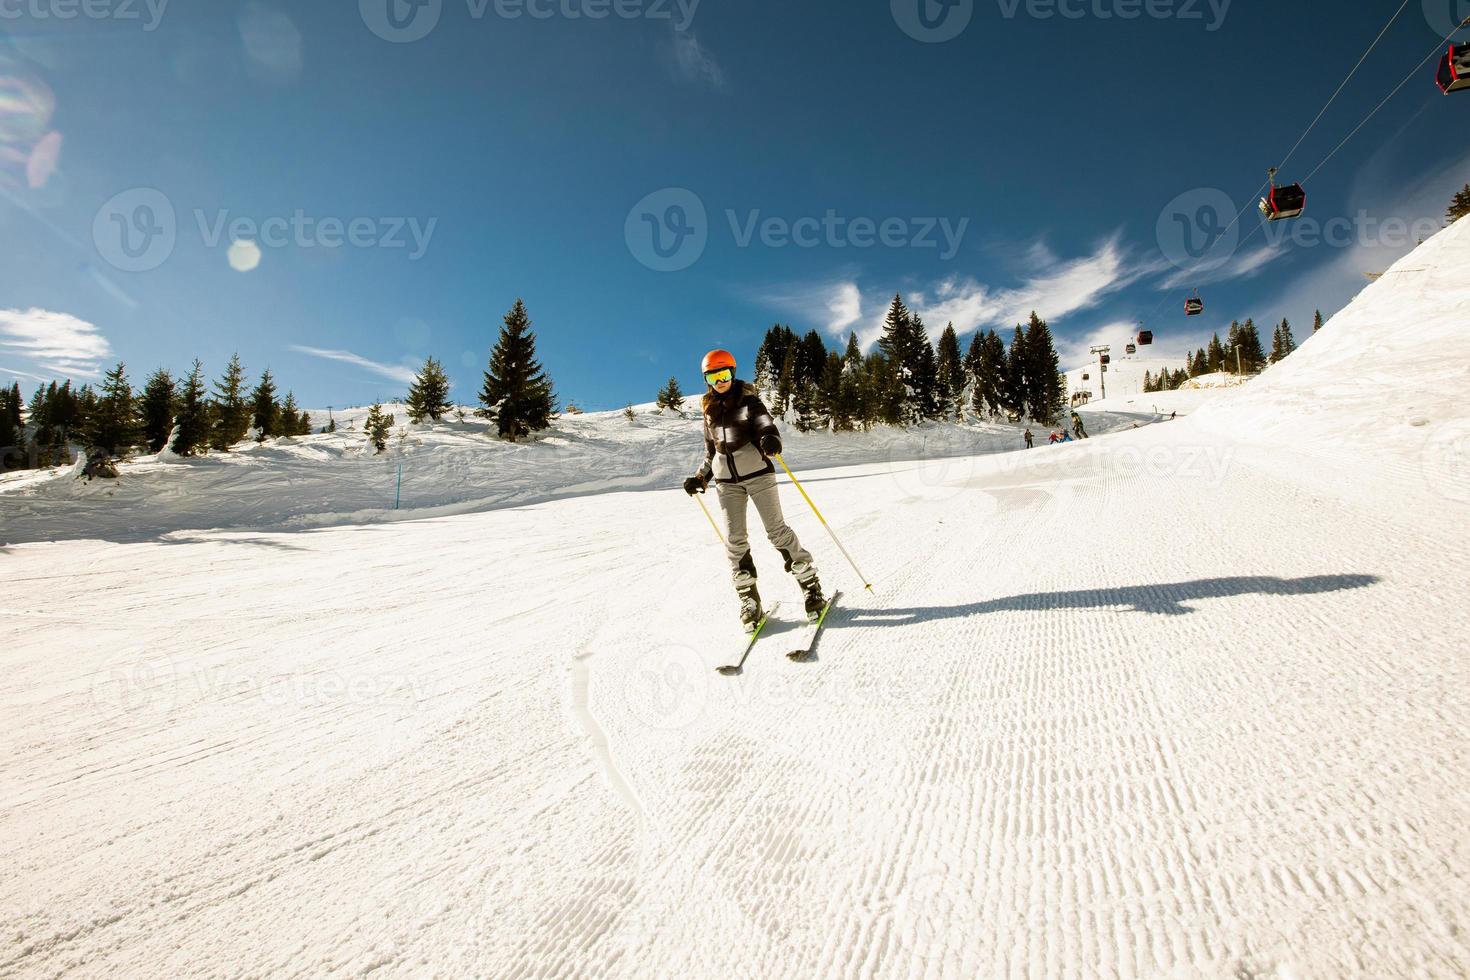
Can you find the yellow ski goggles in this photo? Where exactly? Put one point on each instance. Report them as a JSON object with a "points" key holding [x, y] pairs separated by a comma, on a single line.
{"points": [[720, 376]]}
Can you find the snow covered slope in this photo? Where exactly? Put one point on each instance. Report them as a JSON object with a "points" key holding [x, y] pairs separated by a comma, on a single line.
{"points": [[449, 468], [1166, 703]]}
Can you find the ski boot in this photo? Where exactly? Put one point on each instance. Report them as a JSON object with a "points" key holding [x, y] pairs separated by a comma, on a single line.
{"points": [[750, 602], [806, 577]]}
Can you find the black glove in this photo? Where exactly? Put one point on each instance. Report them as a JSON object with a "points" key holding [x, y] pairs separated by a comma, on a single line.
{"points": [[693, 485], [771, 444]]}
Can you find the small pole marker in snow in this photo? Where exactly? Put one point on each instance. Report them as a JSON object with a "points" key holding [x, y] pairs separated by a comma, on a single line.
{"points": [[398, 491]]}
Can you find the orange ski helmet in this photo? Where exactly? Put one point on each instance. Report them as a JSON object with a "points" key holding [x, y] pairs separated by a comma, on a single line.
{"points": [[717, 359]]}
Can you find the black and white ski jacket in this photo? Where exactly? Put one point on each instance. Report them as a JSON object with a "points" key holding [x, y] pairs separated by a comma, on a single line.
{"points": [[733, 426]]}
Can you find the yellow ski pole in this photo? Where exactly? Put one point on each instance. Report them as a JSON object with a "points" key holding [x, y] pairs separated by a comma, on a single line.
{"points": [[700, 498], [866, 584]]}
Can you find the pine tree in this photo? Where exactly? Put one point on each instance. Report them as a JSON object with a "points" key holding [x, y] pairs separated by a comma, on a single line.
{"points": [[949, 390], [113, 426], [923, 373], [1459, 205], [1317, 321], [303, 426], [428, 395], [1201, 364], [11, 454], [1013, 380], [231, 411], [377, 427], [1215, 354], [1282, 342], [517, 393], [193, 418], [265, 414], [1252, 355], [786, 381], [1148, 383], [290, 420], [811, 359], [832, 408], [1047, 387], [671, 396], [156, 409], [771, 357]]}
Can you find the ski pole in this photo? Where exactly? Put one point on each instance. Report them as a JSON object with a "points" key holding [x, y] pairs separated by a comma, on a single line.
{"points": [[866, 584], [699, 498]]}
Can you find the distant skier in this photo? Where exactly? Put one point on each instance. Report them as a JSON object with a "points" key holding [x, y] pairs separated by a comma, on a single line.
{"points": [[1077, 428], [739, 438], [1029, 442], [1171, 415], [1054, 438]]}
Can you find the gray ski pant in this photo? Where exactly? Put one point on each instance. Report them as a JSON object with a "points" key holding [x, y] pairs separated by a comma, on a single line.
{"points": [[761, 491]]}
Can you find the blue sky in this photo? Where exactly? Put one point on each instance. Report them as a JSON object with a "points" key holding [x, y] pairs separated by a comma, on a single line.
{"points": [[800, 163]]}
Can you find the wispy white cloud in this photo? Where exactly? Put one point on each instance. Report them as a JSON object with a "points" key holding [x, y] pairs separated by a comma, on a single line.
{"points": [[694, 61], [1246, 265], [393, 372], [56, 343], [22, 374], [1055, 289]]}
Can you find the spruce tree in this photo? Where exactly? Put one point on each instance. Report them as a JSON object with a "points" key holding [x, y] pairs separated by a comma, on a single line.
{"points": [[1148, 383], [671, 396], [428, 395], [1047, 387], [1459, 205], [265, 414], [1201, 364], [156, 409], [1317, 321], [113, 425], [11, 453], [303, 426], [1215, 355], [193, 418], [811, 359], [377, 427], [951, 369], [517, 393], [231, 411], [290, 420], [1013, 380], [1252, 356], [923, 373], [832, 408], [786, 381]]}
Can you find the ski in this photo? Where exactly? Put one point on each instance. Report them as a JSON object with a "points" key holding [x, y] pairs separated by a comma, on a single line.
{"points": [[801, 653], [755, 634]]}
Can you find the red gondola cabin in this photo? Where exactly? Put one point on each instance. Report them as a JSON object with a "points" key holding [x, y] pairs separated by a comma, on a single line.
{"points": [[1454, 69], [1286, 201], [1145, 337], [1194, 306]]}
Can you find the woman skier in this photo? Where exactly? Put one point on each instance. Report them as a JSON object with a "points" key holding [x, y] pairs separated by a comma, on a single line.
{"points": [[739, 438]]}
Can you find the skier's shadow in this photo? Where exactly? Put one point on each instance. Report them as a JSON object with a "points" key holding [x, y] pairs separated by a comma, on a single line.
{"points": [[1167, 599]]}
